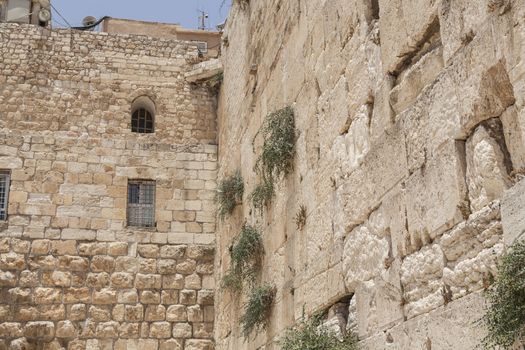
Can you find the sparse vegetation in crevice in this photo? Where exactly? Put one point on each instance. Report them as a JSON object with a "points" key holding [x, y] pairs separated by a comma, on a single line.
{"points": [[278, 151], [313, 335], [214, 83], [246, 254], [262, 195], [277, 154], [505, 315], [229, 193], [257, 309], [300, 217]]}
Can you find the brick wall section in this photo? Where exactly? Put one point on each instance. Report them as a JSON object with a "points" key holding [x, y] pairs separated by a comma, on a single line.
{"points": [[109, 295], [72, 274]]}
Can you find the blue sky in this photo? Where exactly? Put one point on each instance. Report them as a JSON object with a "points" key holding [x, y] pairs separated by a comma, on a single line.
{"points": [[168, 11]]}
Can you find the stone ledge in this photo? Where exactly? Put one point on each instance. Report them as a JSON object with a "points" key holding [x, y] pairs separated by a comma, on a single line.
{"points": [[204, 70]]}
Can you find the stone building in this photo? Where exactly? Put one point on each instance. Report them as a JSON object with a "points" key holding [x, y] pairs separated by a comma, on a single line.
{"points": [[108, 162], [410, 120]]}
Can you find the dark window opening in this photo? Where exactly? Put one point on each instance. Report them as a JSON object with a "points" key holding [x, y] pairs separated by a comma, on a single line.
{"points": [[142, 121], [4, 193], [141, 203]]}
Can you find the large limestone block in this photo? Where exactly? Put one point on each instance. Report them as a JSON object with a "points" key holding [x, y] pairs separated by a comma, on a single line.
{"points": [[460, 21], [363, 256], [487, 165], [350, 148], [513, 213], [446, 328], [436, 195], [379, 302], [421, 275], [431, 121], [411, 82], [8, 162], [404, 26], [514, 130], [472, 249], [483, 87], [382, 168]]}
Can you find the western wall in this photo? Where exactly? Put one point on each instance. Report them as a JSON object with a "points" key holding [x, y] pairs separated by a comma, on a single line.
{"points": [[409, 149]]}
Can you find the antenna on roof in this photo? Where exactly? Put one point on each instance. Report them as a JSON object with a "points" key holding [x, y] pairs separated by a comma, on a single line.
{"points": [[202, 19]]}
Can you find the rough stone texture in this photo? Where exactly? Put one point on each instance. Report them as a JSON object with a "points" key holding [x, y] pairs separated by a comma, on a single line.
{"points": [[72, 274], [410, 118]]}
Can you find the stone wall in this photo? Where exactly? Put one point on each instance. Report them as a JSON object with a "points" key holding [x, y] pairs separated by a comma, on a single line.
{"points": [[411, 121], [73, 275]]}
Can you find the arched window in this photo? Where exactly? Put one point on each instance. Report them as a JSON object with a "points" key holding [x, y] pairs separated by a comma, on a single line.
{"points": [[143, 115]]}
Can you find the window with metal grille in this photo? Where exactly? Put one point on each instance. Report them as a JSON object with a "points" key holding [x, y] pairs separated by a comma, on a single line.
{"points": [[142, 121], [141, 203], [4, 193]]}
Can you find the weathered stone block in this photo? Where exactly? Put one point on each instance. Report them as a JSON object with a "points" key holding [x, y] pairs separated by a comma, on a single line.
{"points": [[107, 329], [101, 263], [199, 344], [122, 280], [435, 202], [173, 281], [56, 278], [176, 313], [47, 295], [7, 279], [134, 313], [182, 330], [118, 248], [513, 213], [148, 250], [77, 295], [105, 296], [149, 281], [129, 330], [188, 297], [155, 313], [41, 330], [66, 329], [172, 251], [160, 330]]}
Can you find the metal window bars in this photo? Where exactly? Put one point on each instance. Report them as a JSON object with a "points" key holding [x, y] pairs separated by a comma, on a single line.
{"points": [[141, 203], [142, 121], [4, 193]]}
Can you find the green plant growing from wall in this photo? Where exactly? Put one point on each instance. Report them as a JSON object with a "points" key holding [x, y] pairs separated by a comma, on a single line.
{"points": [[261, 196], [215, 82], [312, 335], [277, 154], [229, 193], [300, 217], [257, 310], [505, 316], [246, 254], [278, 149]]}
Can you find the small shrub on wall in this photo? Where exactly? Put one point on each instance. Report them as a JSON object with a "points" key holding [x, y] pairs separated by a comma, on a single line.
{"points": [[262, 195], [246, 254], [277, 154], [312, 335], [505, 316], [257, 310], [278, 149], [229, 193]]}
